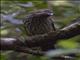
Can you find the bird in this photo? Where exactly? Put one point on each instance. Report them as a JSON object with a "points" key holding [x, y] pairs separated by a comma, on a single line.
{"points": [[39, 22]]}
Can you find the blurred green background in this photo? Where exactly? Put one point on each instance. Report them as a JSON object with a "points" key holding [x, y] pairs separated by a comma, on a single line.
{"points": [[14, 11]]}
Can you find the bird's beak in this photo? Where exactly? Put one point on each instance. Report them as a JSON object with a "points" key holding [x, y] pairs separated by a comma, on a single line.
{"points": [[50, 14]]}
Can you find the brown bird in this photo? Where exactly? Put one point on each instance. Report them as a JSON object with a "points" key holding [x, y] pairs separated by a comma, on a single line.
{"points": [[39, 22]]}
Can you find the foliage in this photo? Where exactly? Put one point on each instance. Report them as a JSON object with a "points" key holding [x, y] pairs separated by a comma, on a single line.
{"points": [[13, 27]]}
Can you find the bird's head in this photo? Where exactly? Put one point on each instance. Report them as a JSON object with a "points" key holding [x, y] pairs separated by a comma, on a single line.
{"points": [[45, 13]]}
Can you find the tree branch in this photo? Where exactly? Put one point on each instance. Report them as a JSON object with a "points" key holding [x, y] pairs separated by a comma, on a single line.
{"points": [[52, 37], [46, 40]]}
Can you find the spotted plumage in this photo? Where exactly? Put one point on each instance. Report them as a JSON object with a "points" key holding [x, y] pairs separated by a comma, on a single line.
{"points": [[39, 22]]}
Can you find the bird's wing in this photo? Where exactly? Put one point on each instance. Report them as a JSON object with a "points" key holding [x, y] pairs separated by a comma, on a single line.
{"points": [[52, 23]]}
